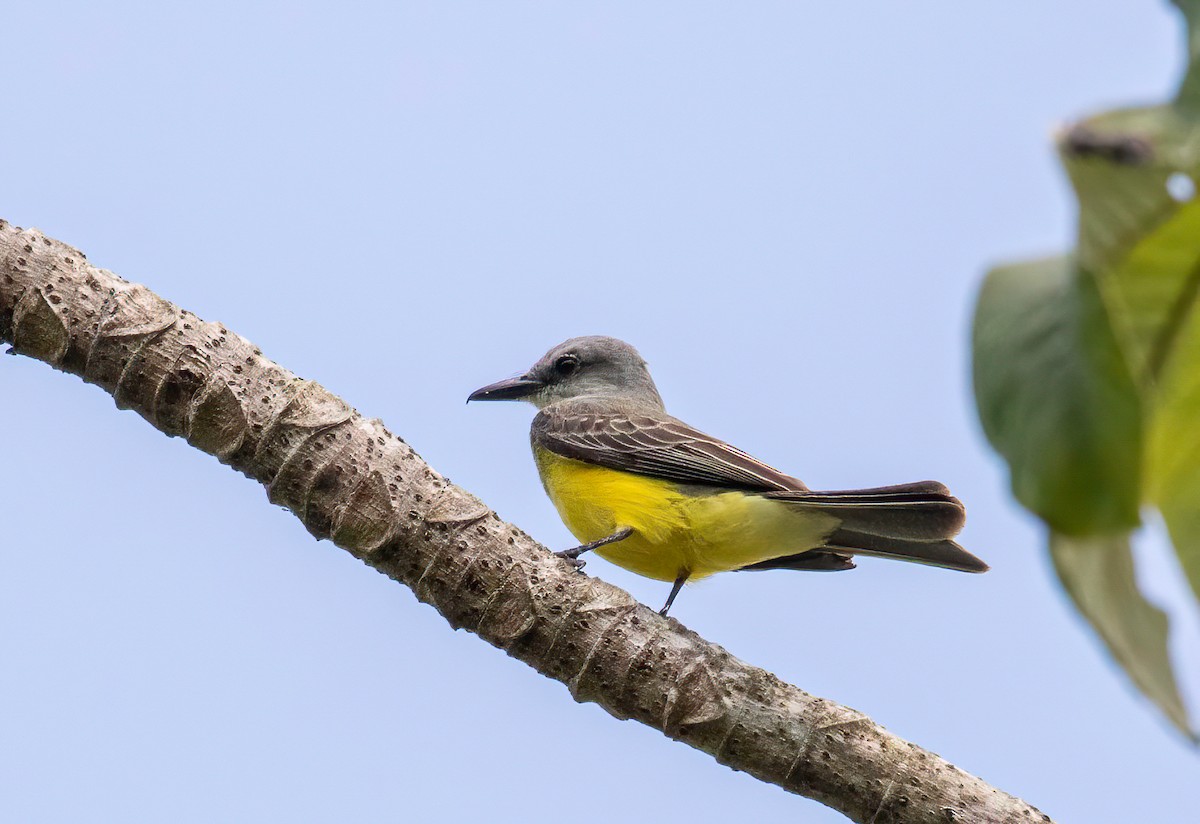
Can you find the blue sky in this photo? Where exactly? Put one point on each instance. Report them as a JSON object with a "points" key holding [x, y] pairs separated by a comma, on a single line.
{"points": [[787, 207]]}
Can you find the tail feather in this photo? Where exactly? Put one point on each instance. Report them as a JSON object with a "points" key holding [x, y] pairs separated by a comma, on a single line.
{"points": [[911, 522], [946, 553], [923, 511]]}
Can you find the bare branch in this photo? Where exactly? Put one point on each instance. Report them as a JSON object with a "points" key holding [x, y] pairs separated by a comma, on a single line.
{"points": [[350, 480]]}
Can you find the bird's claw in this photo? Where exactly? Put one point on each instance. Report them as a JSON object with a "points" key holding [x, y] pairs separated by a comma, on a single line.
{"points": [[571, 557]]}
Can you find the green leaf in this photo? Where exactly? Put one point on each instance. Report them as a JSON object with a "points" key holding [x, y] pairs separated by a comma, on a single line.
{"points": [[1056, 399], [1173, 459], [1144, 246], [1098, 574], [1087, 368], [1137, 238]]}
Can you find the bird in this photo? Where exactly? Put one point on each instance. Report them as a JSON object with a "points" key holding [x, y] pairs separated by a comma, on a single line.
{"points": [[651, 494]]}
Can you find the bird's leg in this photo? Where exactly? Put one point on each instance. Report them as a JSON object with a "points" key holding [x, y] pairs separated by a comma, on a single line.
{"points": [[683, 576], [572, 555]]}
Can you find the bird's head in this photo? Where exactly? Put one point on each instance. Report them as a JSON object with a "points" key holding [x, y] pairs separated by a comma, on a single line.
{"points": [[592, 366]]}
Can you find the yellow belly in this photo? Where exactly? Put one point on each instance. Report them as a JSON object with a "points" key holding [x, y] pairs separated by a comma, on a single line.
{"points": [[675, 532]]}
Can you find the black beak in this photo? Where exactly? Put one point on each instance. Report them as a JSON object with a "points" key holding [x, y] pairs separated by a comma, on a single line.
{"points": [[509, 389]]}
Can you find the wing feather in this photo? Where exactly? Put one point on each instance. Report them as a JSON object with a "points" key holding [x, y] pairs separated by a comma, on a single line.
{"points": [[655, 445]]}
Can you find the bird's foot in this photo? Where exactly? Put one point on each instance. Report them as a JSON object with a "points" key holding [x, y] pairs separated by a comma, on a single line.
{"points": [[572, 556], [679, 582]]}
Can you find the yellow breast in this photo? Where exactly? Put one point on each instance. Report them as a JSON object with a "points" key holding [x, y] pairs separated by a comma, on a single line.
{"points": [[674, 532]]}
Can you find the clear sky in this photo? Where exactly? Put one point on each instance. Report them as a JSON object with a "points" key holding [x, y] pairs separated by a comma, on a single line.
{"points": [[787, 207]]}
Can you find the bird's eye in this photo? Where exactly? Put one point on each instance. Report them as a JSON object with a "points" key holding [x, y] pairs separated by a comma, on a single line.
{"points": [[566, 365]]}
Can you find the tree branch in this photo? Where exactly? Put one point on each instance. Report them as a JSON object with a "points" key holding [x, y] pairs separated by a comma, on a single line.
{"points": [[350, 480]]}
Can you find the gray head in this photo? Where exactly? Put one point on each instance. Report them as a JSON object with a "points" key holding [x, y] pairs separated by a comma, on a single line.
{"points": [[594, 366]]}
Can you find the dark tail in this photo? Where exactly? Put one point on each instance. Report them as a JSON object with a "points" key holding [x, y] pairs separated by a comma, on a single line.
{"points": [[910, 522]]}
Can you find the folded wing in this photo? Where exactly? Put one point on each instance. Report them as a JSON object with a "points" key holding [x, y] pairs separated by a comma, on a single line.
{"points": [[653, 444]]}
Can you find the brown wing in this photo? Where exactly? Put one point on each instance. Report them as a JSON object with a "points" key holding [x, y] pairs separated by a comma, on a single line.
{"points": [[653, 444]]}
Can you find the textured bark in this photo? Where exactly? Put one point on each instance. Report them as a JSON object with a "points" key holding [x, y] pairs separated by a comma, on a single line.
{"points": [[350, 480]]}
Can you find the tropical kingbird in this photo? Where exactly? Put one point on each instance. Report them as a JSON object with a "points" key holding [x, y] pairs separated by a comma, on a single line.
{"points": [[653, 495]]}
